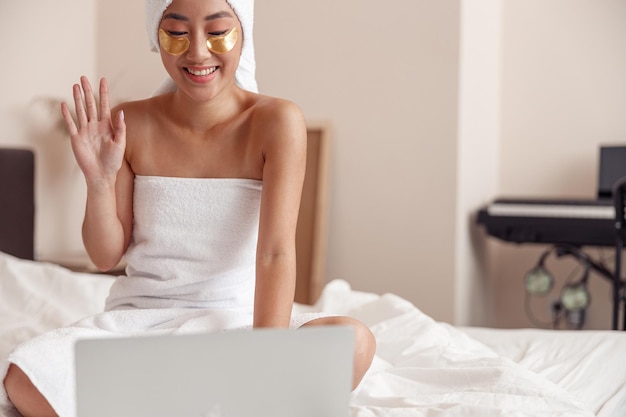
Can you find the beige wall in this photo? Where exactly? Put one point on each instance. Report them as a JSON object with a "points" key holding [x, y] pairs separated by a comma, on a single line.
{"points": [[436, 107], [477, 155], [389, 88], [46, 46], [123, 55]]}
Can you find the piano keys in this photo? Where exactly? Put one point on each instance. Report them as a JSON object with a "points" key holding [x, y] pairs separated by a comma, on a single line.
{"points": [[550, 221]]}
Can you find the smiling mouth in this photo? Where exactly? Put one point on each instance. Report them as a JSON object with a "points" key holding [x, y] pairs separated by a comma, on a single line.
{"points": [[202, 72]]}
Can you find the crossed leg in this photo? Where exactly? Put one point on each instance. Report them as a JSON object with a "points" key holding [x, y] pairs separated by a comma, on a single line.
{"points": [[24, 396]]}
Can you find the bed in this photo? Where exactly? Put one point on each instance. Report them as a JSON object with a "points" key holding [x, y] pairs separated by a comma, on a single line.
{"points": [[422, 367]]}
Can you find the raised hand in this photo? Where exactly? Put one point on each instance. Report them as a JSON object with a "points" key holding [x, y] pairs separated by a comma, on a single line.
{"points": [[98, 143]]}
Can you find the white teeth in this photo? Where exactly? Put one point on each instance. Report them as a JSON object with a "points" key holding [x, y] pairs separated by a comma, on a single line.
{"points": [[201, 72]]}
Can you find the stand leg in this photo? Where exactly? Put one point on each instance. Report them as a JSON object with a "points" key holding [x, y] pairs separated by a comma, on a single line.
{"points": [[617, 284]]}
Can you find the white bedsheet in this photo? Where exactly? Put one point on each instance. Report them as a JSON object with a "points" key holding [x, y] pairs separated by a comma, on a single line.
{"points": [[422, 368], [425, 368], [589, 364]]}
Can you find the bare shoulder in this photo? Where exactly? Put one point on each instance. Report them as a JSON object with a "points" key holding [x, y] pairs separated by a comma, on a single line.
{"points": [[136, 110], [140, 115], [277, 109], [276, 119], [142, 120]]}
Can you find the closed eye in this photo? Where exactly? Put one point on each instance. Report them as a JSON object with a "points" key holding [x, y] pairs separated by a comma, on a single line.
{"points": [[175, 33]]}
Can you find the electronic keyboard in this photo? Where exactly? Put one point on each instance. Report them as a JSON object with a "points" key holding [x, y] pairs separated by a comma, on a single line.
{"points": [[550, 221]]}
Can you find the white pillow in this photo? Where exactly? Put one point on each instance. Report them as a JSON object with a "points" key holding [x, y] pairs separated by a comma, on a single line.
{"points": [[39, 296]]}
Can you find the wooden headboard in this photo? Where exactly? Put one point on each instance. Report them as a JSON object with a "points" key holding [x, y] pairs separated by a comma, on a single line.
{"points": [[17, 211], [312, 219]]}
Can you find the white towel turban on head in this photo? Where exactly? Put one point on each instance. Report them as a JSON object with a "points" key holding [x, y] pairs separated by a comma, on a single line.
{"points": [[245, 74]]}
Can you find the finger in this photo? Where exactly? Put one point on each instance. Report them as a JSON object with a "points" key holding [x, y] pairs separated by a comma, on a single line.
{"points": [[79, 105], [90, 100], [69, 120], [105, 107], [120, 129]]}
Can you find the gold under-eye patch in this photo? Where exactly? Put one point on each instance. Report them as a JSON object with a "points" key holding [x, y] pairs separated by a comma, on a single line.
{"points": [[171, 44], [174, 45], [224, 43]]}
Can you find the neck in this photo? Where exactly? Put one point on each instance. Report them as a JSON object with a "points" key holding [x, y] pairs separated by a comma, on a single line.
{"points": [[203, 115]]}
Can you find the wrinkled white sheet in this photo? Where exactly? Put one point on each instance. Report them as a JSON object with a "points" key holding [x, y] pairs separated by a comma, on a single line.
{"points": [[587, 364], [37, 296], [425, 368], [422, 368]]}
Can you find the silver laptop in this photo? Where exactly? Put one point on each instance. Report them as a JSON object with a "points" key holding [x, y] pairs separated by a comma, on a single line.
{"points": [[260, 373]]}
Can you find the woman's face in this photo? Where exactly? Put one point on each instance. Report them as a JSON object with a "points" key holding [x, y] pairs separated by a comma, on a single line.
{"points": [[198, 46]]}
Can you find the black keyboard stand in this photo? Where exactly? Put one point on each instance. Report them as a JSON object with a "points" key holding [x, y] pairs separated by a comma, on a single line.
{"points": [[613, 277], [619, 285]]}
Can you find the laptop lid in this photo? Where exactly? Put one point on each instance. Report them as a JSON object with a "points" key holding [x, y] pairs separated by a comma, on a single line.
{"points": [[261, 373]]}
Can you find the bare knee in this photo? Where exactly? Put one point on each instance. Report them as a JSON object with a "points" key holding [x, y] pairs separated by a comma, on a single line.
{"points": [[25, 396], [364, 351], [364, 343]]}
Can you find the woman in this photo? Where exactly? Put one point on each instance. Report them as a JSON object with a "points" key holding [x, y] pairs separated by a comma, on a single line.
{"points": [[198, 187]]}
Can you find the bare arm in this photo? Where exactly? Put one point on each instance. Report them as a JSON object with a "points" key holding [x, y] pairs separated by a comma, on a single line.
{"points": [[283, 176], [108, 219], [99, 143]]}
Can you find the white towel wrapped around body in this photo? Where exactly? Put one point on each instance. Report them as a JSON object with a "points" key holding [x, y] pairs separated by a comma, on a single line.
{"points": [[191, 268], [193, 246]]}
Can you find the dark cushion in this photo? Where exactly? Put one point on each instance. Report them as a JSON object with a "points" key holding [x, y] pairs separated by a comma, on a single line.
{"points": [[17, 202]]}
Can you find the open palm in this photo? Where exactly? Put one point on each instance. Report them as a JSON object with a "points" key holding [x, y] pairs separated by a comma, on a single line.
{"points": [[97, 143]]}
